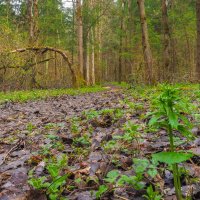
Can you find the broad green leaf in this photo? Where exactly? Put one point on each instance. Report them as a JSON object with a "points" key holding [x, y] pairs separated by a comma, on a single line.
{"points": [[172, 157]]}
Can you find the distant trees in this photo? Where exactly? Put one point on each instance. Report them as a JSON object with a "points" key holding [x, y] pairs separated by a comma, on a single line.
{"points": [[105, 40]]}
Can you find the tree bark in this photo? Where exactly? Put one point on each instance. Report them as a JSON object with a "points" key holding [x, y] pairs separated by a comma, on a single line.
{"points": [[33, 15], [88, 61], [121, 40], [80, 34], [198, 41], [93, 58], [145, 42], [167, 72]]}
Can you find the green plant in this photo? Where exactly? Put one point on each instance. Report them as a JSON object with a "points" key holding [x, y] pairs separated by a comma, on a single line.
{"points": [[23, 96], [83, 141], [170, 107], [117, 179], [131, 132], [75, 124], [55, 185], [30, 127], [151, 194], [91, 114], [50, 126], [144, 165], [102, 190]]}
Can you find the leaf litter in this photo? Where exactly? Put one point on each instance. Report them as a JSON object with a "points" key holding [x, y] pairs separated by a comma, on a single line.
{"points": [[90, 130]]}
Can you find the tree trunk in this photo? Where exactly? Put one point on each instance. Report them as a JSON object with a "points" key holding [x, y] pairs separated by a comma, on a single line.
{"points": [[93, 58], [121, 41], [145, 42], [33, 15], [80, 34], [88, 61], [167, 72], [131, 35], [198, 41]]}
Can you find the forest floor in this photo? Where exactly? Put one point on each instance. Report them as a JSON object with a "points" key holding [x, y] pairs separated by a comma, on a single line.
{"points": [[66, 146]]}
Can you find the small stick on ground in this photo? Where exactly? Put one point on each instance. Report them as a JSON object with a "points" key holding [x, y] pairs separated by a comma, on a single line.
{"points": [[12, 149]]}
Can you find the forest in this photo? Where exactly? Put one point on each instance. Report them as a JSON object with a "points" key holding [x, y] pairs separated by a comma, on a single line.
{"points": [[99, 99]]}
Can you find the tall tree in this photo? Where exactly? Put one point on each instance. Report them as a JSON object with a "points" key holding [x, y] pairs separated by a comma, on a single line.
{"points": [[33, 15], [198, 40], [80, 34], [166, 41], [121, 2], [145, 42]]}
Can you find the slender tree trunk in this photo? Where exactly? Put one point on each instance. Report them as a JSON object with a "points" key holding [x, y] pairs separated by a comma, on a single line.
{"points": [[73, 29], [167, 72], [33, 15], [93, 58], [99, 38], [121, 41], [88, 63], [80, 34], [145, 42], [198, 41], [120, 58], [131, 34]]}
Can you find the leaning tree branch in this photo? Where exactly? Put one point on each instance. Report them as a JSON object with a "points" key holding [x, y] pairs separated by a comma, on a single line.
{"points": [[25, 66], [42, 50]]}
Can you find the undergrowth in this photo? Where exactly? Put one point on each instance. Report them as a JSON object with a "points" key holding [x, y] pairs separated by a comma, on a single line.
{"points": [[26, 95]]}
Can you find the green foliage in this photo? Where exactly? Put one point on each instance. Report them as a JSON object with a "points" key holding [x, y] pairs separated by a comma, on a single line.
{"points": [[83, 141], [112, 176], [54, 186], [115, 178], [91, 114], [75, 127], [172, 157], [170, 107], [23, 96], [130, 133], [30, 127], [102, 190], [38, 183], [142, 166], [151, 194]]}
